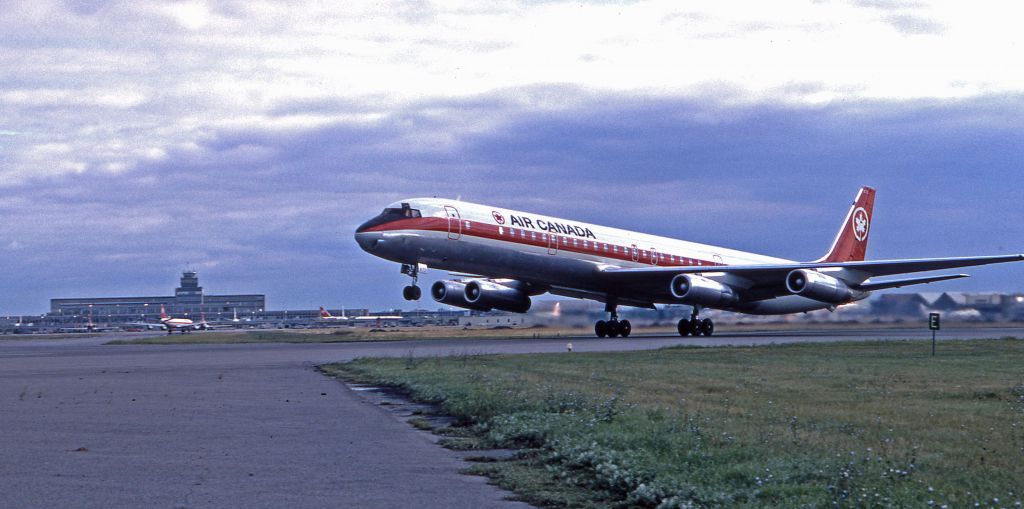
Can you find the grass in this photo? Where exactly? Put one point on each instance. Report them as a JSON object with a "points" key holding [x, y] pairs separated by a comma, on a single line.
{"points": [[878, 424], [356, 334], [346, 334], [61, 335]]}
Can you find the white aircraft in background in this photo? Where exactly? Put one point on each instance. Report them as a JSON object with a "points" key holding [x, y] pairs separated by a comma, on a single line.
{"points": [[184, 324], [203, 324], [171, 324], [516, 255], [327, 316]]}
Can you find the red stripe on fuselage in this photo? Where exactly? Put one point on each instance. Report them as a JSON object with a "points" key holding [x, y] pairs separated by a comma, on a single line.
{"points": [[522, 236]]}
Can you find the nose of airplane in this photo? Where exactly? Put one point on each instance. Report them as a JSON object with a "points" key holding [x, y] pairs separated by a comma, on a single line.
{"points": [[367, 240]]}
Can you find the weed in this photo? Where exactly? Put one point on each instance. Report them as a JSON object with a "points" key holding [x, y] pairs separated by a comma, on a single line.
{"points": [[845, 425], [420, 423]]}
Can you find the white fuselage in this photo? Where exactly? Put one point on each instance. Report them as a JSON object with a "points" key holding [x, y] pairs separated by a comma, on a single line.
{"points": [[177, 323], [550, 252]]}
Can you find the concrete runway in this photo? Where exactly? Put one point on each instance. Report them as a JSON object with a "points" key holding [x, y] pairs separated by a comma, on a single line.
{"points": [[253, 425]]}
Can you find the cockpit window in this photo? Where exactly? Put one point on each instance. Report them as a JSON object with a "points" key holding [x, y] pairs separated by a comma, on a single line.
{"points": [[391, 214], [398, 213]]}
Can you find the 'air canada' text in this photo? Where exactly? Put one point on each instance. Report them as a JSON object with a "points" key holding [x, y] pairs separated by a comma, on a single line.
{"points": [[564, 229]]}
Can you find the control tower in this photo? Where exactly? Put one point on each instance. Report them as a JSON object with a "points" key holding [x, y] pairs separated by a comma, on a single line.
{"points": [[189, 292]]}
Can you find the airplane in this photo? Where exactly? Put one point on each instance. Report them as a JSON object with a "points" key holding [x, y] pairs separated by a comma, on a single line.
{"points": [[327, 316], [171, 324], [380, 320], [222, 324], [175, 323], [513, 256]]}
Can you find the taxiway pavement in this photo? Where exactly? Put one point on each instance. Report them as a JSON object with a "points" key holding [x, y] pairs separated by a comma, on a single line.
{"points": [[252, 425]]}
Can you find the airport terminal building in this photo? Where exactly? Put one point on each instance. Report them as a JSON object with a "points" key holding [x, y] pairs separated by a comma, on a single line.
{"points": [[188, 300]]}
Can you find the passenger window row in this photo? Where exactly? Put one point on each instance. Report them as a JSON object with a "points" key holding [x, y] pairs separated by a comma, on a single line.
{"points": [[643, 254]]}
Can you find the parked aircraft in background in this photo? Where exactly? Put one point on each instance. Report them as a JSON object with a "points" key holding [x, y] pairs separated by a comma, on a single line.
{"points": [[327, 316], [184, 325], [380, 320], [517, 255], [203, 324]]}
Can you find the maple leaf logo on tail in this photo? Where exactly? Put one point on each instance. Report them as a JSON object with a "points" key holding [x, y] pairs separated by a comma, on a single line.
{"points": [[860, 224]]}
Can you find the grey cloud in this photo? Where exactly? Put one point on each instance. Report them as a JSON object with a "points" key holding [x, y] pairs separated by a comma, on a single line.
{"points": [[915, 25], [88, 7], [904, 16], [892, 5], [273, 209]]}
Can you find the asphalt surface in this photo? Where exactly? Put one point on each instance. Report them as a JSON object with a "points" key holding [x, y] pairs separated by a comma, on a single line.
{"points": [[252, 425]]}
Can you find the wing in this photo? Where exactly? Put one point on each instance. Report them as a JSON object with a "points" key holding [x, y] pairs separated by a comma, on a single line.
{"points": [[765, 281], [148, 325], [761, 273]]}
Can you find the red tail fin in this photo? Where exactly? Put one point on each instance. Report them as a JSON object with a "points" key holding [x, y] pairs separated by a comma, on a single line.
{"points": [[163, 314], [324, 313], [852, 241]]}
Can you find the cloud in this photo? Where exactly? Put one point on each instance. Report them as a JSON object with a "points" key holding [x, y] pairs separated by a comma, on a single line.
{"points": [[264, 133], [909, 24], [58, 98], [266, 208], [162, 75]]}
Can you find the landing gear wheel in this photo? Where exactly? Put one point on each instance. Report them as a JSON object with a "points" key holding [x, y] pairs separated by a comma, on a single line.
{"points": [[695, 326], [614, 328], [625, 328], [411, 292], [601, 328], [707, 327], [683, 327]]}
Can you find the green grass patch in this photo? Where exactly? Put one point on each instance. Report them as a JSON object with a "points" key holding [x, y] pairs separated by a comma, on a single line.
{"points": [[37, 337], [228, 337], [877, 424], [421, 423], [344, 335]]}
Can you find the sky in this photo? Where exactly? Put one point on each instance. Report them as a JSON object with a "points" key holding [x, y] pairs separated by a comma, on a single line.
{"points": [[248, 139]]}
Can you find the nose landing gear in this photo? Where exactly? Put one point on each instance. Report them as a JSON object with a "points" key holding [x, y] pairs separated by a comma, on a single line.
{"points": [[613, 327], [411, 292], [695, 325]]}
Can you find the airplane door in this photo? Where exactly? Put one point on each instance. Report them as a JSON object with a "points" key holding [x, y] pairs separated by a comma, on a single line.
{"points": [[654, 256], [718, 260], [552, 244], [635, 253], [454, 222]]}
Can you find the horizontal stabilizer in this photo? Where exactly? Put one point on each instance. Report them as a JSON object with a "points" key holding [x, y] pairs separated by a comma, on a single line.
{"points": [[899, 283], [777, 272]]}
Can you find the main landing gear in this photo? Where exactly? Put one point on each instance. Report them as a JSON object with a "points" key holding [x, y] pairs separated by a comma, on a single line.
{"points": [[612, 327], [695, 325], [411, 292]]}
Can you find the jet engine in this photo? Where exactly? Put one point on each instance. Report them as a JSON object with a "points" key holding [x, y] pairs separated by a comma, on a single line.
{"points": [[818, 286], [491, 295], [453, 293], [694, 289]]}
